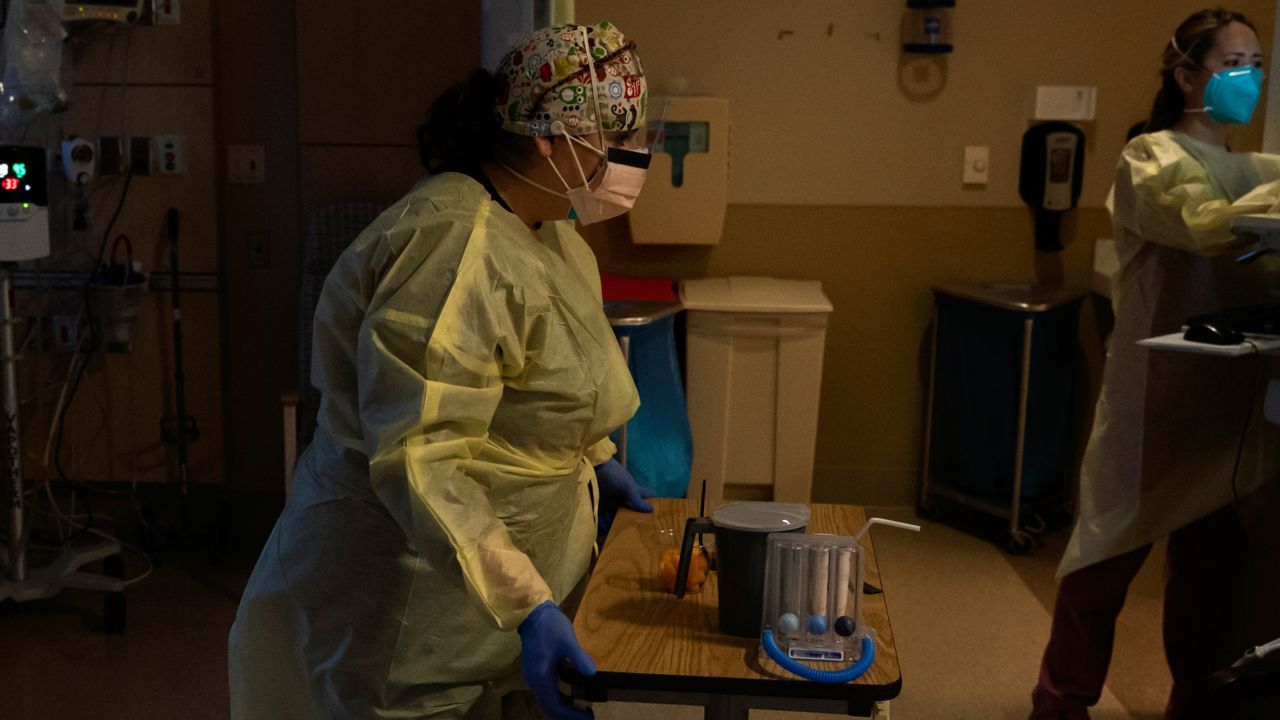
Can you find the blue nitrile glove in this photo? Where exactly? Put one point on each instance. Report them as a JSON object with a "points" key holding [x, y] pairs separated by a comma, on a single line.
{"points": [[619, 489], [546, 638]]}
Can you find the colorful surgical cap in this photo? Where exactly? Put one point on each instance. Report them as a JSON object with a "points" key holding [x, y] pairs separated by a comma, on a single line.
{"points": [[546, 78]]}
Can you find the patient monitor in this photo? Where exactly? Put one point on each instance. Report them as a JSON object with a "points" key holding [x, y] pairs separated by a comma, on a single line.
{"points": [[24, 203]]}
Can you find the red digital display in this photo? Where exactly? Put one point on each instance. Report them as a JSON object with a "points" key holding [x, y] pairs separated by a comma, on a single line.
{"points": [[22, 175]]}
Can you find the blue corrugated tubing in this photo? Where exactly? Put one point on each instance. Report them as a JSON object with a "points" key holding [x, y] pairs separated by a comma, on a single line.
{"points": [[853, 672]]}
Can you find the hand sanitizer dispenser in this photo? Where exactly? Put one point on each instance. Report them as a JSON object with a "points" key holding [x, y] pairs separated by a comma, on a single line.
{"points": [[1052, 170], [687, 189]]}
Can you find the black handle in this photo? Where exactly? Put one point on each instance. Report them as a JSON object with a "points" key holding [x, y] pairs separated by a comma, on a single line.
{"points": [[692, 527], [1048, 230]]}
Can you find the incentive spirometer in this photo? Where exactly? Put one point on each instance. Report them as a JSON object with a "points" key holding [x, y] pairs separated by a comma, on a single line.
{"points": [[24, 203], [812, 623], [1052, 170]]}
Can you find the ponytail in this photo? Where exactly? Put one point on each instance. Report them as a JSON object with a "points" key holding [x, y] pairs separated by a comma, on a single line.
{"points": [[462, 129], [1168, 106]]}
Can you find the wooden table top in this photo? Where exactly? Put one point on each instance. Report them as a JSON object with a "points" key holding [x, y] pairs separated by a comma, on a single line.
{"points": [[643, 637]]}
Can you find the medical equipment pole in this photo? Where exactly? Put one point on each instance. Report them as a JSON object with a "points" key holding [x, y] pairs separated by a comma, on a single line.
{"points": [[179, 377], [42, 582], [13, 454]]}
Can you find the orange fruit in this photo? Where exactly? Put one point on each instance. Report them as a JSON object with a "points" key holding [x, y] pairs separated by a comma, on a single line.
{"points": [[669, 563]]}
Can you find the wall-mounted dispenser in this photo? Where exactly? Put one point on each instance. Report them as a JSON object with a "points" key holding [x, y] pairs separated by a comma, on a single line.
{"points": [[926, 27], [1052, 169], [687, 188]]}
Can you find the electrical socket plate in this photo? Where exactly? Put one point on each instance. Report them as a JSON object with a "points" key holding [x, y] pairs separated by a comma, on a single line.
{"points": [[66, 332], [171, 154], [246, 164], [259, 253]]}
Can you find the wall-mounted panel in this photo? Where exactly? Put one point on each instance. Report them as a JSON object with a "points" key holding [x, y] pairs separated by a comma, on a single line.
{"points": [[147, 111]]}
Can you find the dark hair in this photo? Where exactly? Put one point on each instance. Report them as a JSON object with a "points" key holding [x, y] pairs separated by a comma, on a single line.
{"points": [[1194, 38], [462, 130]]}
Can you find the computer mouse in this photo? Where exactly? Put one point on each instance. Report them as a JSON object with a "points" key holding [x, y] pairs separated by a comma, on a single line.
{"points": [[1211, 334]]}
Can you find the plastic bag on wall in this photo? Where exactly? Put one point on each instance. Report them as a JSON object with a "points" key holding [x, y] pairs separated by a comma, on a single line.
{"points": [[31, 84]]}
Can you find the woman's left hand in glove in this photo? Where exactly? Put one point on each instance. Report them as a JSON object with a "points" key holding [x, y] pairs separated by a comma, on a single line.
{"points": [[619, 489]]}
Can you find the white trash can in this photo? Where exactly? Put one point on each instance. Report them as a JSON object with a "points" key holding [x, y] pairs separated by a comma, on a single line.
{"points": [[754, 377]]}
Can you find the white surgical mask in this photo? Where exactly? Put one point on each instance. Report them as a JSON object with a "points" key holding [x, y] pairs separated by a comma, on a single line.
{"points": [[623, 177]]}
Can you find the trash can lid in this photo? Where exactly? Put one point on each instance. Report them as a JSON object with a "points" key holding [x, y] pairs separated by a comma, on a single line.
{"points": [[754, 295], [761, 516], [1013, 296], [634, 313]]}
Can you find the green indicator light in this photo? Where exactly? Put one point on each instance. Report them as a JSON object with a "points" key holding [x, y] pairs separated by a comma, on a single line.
{"points": [[26, 206]]}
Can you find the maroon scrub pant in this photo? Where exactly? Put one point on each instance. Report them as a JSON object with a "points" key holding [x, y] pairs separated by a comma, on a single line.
{"points": [[1220, 599]]}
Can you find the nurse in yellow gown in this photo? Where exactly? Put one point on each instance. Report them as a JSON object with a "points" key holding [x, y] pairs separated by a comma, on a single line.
{"points": [[469, 382], [1179, 447]]}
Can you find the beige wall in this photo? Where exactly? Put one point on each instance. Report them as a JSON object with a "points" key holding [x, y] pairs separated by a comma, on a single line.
{"points": [[826, 109], [139, 81], [828, 155], [876, 265], [836, 176]]}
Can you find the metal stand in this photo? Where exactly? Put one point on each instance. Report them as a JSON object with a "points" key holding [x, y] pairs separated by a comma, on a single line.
{"points": [[1022, 537], [17, 581]]}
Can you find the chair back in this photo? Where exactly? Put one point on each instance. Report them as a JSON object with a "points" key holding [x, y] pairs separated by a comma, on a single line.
{"points": [[329, 232]]}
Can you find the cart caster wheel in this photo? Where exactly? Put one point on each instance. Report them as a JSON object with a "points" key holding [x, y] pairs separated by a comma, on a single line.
{"points": [[1040, 525], [1020, 544], [113, 604], [927, 510]]}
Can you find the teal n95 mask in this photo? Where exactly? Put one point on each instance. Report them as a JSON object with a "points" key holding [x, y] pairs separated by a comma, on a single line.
{"points": [[1232, 94]]}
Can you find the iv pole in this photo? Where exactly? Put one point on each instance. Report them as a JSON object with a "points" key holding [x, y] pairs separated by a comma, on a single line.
{"points": [[18, 581]]}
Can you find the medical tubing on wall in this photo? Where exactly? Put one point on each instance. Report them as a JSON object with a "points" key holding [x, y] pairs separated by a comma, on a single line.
{"points": [[853, 672]]}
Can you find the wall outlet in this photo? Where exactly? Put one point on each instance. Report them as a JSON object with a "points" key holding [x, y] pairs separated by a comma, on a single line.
{"points": [[246, 164], [259, 250], [168, 12], [171, 154], [66, 332]]}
